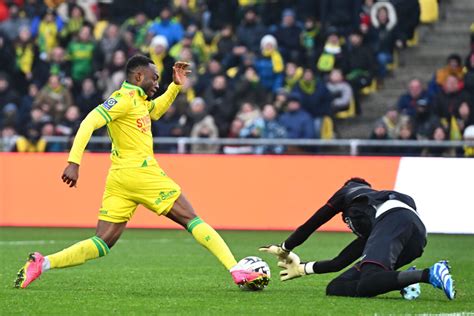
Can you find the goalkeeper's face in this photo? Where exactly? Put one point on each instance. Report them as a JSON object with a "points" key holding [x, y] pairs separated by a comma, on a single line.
{"points": [[150, 80]]}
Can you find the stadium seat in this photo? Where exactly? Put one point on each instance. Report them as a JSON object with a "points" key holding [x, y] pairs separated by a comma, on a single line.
{"points": [[349, 113], [372, 88], [429, 11], [327, 128], [412, 42], [395, 63]]}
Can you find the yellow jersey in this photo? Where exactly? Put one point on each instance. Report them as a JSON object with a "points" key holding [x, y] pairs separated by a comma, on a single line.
{"points": [[128, 115]]}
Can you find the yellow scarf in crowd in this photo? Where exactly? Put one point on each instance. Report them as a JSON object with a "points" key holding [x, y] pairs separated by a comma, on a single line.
{"points": [[290, 82], [277, 60], [158, 60]]}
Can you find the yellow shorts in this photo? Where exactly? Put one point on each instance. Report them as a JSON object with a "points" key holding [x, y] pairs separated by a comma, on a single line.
{"points": [[128, 187]]}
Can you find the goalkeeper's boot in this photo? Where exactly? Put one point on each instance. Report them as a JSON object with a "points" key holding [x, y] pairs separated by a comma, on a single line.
{"points": [[440, 277], [30, 271], [412, 291], [250, 280]]}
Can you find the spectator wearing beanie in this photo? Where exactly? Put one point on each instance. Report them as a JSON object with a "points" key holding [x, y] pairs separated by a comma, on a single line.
{"points": [[158, 52], [270, 64]]}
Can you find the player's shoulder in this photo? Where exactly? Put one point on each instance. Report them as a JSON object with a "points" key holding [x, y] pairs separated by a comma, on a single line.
{"points": [[118, 96]]}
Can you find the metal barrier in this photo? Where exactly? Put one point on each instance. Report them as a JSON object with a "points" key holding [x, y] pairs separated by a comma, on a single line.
{"points": [[344, 146]]}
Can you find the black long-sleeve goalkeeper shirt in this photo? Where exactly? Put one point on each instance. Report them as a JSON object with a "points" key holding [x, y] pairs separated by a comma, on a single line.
{"points": [[356, 202]]}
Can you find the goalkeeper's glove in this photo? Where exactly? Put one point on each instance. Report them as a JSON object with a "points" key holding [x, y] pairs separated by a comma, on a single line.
{"points": [[276, 250], [292, 267]]}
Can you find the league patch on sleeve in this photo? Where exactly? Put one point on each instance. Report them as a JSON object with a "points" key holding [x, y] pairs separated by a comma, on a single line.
{"points": [[109, 103]]}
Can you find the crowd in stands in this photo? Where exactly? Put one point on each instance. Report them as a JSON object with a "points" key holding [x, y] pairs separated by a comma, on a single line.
{"points": [[261, 69], [440, 110]]}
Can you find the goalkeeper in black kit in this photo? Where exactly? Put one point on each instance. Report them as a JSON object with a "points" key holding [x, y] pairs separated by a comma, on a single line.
{"points": [[390, 234]]}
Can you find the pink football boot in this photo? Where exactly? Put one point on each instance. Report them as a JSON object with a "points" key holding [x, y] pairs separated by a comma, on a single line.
{"points": [[30, 271], [250, 280]]}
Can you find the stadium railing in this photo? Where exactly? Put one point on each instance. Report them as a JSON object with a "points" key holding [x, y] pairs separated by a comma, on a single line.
{"points": [[339, 146]]}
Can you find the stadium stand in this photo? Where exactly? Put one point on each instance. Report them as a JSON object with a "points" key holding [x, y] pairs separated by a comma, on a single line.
{"points": [[329, 69]]}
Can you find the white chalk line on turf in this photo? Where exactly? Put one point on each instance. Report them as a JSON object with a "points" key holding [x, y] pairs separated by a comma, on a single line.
{"points": [[51, 242], [27, 242]]}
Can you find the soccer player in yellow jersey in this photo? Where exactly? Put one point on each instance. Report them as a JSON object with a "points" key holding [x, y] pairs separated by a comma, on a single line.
{"points": [[134, 176]]}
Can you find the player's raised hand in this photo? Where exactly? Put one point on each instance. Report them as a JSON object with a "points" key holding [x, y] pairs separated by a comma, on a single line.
{"points": [[71, 174], [180, 72], [292, 267], [276, 250]]}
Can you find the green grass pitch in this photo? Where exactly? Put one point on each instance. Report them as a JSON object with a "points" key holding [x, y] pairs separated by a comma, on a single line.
{"points": [[165, 272]]}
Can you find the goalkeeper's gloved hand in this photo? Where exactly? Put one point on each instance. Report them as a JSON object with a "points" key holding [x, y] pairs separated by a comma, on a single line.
{"points": [[292, 267], [276, 250]]}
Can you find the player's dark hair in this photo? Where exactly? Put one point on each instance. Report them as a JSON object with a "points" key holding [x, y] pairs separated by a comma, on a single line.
{"points": [[358, 180], [135, 62]]}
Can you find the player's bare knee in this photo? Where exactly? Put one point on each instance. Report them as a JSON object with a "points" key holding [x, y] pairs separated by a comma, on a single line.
{"points": [[110, 232], [182, 211], [108, 240]]}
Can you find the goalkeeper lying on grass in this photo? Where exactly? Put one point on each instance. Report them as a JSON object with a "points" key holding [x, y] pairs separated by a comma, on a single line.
{"points": [[390, 235]]}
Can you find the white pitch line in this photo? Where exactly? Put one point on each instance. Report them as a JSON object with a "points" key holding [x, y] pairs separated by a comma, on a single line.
{"points": [[50, 242], [27, 242]]}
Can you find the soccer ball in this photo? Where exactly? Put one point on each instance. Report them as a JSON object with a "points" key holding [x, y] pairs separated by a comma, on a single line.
{"points": [[255, 264], [411, 292]]}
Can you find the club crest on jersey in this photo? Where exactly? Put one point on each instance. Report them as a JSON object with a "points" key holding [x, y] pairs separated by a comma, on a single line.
{"points": [[109, 103]]}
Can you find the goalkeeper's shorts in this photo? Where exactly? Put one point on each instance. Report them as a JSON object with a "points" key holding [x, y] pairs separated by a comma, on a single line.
{"points": [[128, 187]]}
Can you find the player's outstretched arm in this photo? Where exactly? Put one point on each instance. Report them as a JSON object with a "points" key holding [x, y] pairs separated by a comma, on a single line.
{"points": [[320, 217], [160, 105], [348, 255], [294, 268], [93, 121]]}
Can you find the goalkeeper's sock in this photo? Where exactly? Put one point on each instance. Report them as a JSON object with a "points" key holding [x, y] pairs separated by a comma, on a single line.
{"points": [[78, 253], [210, 239]]}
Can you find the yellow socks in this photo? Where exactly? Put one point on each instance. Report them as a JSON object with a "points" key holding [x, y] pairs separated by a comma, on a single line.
{"points": [[79, 253], [209, 238], [95, 247]]}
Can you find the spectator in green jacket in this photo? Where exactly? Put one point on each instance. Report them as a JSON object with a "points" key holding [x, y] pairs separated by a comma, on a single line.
{"points": [[81, 53]]}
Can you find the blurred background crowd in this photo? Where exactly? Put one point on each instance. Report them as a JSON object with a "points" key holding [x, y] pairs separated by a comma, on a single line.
{"points": [[261, 69]]}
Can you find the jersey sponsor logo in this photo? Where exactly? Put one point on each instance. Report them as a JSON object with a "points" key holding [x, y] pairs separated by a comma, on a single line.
{"points": [[165, 196], [144, 123], [109, 103]]}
